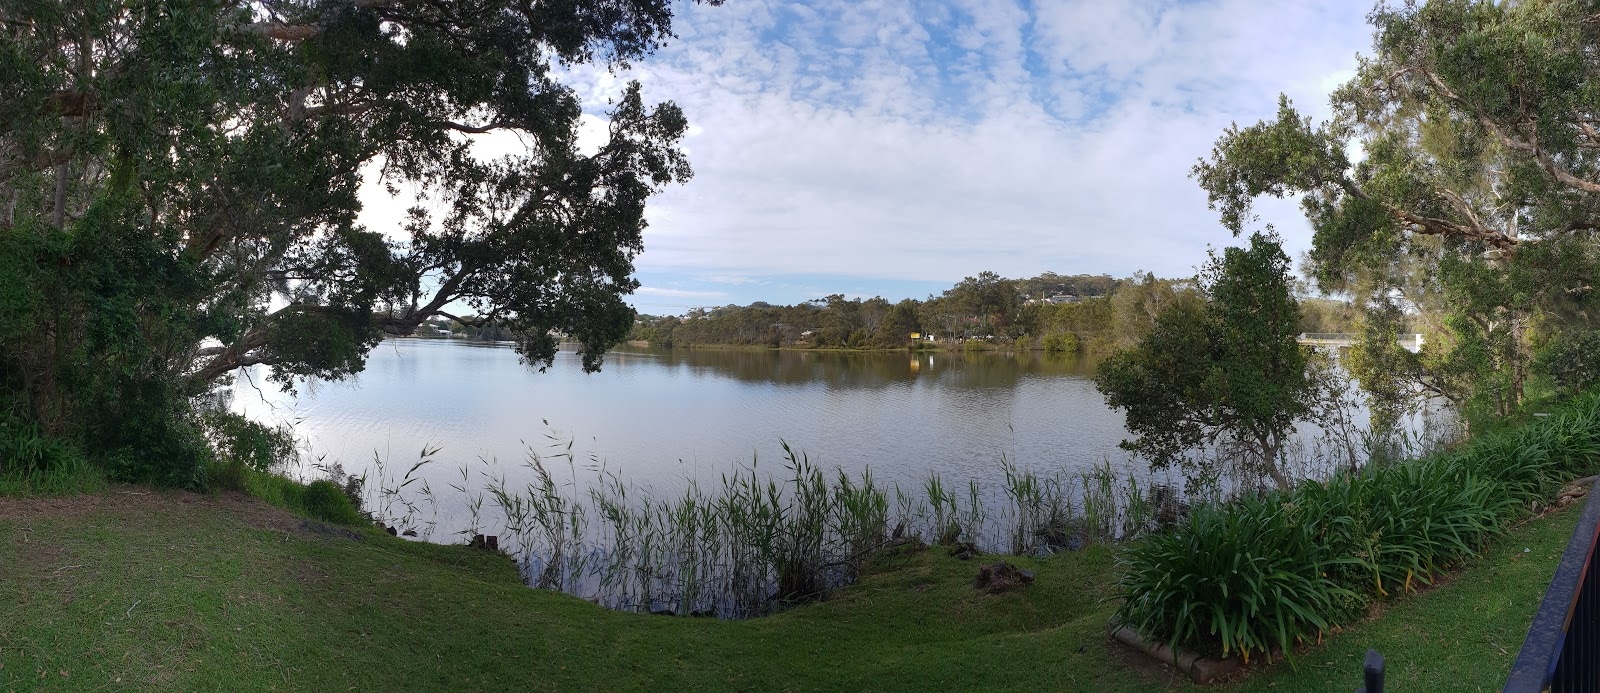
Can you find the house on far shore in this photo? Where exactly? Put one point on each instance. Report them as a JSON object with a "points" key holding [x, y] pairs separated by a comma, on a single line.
{"points": [[1056, 299]]}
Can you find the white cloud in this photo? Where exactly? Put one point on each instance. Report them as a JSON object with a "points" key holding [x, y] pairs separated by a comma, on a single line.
{"points": [[660, 292], [904, 139], [733, 279]]}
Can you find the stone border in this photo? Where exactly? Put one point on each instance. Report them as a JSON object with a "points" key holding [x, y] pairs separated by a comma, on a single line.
{"points": [[1202, 670]]}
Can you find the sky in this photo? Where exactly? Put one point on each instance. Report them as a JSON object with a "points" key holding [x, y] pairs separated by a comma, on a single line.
{"points": [[893, 147]]}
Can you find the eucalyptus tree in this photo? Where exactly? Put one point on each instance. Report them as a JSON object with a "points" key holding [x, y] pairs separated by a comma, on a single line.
{"points": [[898, 324], [178, 192], [990, 298], [1460, 172]]}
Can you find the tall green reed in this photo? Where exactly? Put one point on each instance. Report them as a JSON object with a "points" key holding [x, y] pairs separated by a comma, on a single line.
{"points": [[762, 538]]}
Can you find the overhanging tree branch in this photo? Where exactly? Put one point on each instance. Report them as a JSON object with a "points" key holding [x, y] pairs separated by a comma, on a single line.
{"points": [[1529, 146]]}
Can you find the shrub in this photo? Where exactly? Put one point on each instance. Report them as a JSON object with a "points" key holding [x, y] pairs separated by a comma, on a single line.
{"points": [[150, 438], [240, 440], [87, 349], [25, 451], [1062, 343], [320, 500], [1244, 577], [72, 475], [1263, 573], [229, 475], [327, 502]]}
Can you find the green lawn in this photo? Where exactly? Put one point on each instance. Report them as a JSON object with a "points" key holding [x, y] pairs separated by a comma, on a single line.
{"points": [[133, 588]]}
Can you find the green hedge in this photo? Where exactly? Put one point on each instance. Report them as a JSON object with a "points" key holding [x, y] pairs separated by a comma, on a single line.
{"points": [[1259, 573]]}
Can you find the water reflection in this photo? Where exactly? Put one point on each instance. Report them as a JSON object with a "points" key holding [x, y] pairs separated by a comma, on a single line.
{"points": [[852, 370], [664, 417]]}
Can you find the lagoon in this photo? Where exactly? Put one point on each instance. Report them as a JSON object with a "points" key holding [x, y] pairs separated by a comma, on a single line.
{"points": [[663, 417]]}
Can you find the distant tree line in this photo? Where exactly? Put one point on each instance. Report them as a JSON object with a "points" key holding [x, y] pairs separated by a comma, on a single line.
{"points": [[1093, 314], [468, 327]]}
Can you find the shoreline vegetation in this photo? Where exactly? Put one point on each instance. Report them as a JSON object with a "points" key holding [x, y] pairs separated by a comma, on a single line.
{"points": [[769, 545], [1070, 314], [770, 537], [917, 347]]}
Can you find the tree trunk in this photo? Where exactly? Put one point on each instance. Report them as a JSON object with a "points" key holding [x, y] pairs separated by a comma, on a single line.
{"points": [[58, 215], [1271, 444], [1519, 349], [1278, 477]]}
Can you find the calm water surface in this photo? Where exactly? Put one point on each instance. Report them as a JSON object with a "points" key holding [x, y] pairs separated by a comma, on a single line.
{"points": [[661, 417]]}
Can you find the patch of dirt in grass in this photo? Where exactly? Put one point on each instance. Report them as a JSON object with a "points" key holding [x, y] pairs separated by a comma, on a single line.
{"points": [[47, 566], [33, 551], [307, 573], [125, 499], [1158, 674]]}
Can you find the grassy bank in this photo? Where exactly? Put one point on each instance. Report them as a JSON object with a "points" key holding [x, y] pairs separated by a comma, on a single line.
{"points": [[133, 588]]}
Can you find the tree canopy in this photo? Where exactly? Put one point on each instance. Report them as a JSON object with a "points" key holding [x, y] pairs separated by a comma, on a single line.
{"points": [[1458, 179], [178, 195], [1224, 367]]}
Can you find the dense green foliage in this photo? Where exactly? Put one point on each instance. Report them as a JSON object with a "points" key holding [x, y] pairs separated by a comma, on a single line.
{"points": [[178, 201], [1222, 366], [1062, 343], [1282, 568], [71, 475], [323, 500], [1474, 207], [1573, 361]]}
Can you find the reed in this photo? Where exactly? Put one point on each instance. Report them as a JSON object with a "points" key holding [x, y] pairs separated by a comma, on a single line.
{"points": [[406, 503], [763, 538]]}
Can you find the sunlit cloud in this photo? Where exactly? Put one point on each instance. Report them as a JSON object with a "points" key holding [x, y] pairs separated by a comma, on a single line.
{"points": [[888, 145]]}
